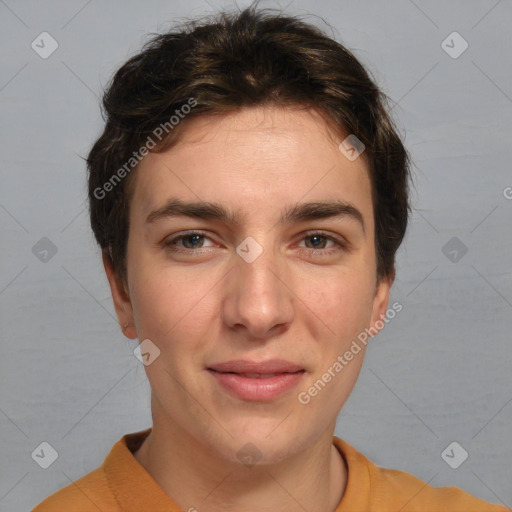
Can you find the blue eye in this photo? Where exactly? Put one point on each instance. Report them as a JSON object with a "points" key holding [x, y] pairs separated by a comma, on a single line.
{"points": [[320, 239], [192, 241], [317, 238]]}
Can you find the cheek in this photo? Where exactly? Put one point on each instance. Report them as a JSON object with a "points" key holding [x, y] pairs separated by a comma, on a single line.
{"points": [[341, 301], [150, 290], [168, 302], [158, 306], [340, 310]]}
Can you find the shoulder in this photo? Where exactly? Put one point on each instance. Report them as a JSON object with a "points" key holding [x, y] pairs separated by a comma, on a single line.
{"points": [[89, 493], [371, 487], [415, 495], [107, 487]]}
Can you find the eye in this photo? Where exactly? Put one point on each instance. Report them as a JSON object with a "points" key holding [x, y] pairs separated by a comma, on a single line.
{"points": [[318, 241], [187, 242]]}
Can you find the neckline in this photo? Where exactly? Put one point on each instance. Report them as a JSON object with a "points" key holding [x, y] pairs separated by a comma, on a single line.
{"points": [[135, 488]]}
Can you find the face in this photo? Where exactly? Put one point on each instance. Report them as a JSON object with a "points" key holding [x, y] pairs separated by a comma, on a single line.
{"points": [[251, 302]]}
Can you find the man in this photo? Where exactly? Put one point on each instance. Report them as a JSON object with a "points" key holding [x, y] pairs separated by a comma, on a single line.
{"points": [[249, 193]]}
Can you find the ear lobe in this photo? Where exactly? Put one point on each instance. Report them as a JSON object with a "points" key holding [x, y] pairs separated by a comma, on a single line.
{"points": [[120, 296], [380, 302]]}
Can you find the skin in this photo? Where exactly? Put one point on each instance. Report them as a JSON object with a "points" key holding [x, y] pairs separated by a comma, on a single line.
{"points": [[208, 305]]}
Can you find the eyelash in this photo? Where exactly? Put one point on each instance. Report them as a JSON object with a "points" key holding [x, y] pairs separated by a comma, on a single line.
{"points": [[341, 245]]}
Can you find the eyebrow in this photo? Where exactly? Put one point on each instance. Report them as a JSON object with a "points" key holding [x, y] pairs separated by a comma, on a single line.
{"points": [[294, 213]]}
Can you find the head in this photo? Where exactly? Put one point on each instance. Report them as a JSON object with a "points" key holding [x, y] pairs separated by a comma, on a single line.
{"points": [[236, 223]]}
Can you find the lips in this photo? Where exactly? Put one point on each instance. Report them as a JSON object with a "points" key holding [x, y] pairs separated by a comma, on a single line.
{"points": [[258, 375], [271, 367], [257, 381]]}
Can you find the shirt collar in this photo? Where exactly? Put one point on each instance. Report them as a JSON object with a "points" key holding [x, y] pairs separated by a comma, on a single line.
{"points": [[135, 489]]}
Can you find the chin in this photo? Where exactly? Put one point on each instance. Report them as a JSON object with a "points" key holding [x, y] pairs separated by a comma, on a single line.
{"points": [[260, 443], [262, 452]]}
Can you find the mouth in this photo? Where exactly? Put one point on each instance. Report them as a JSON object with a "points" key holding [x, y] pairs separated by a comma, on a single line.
{"points": [[269, 367], [257, 381], [258, 375]]}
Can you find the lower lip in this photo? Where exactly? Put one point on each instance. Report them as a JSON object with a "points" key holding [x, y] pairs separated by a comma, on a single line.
{"points": [[256, 389]]}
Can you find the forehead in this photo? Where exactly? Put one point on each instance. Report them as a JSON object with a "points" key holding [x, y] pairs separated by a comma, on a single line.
{"points": [[254, 160]]}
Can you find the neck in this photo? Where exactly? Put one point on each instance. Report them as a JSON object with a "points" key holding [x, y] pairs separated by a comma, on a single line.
{"points": [[313, 479]]}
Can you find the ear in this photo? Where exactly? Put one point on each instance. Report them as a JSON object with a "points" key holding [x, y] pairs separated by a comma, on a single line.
{"points": [[121, 298], [380, 302]]}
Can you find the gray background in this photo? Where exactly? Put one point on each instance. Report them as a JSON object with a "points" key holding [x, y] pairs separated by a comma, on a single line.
{"points": [[439, 372]]}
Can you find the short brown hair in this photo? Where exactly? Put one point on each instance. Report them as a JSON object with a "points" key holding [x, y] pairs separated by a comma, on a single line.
{"points": [[233, 60]]}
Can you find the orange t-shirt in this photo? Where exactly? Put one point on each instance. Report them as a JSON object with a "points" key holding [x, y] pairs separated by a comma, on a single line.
{"points": [[121, 484]]}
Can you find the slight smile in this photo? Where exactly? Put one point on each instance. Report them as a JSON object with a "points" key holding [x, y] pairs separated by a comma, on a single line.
{"points": [[257, 381]]}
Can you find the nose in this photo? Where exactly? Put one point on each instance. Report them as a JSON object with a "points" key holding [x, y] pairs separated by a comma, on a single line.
{"points": [[257, 297]]}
